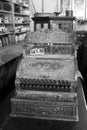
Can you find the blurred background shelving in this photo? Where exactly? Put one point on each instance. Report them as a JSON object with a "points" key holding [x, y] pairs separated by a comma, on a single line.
{"points": [[14, 21]]}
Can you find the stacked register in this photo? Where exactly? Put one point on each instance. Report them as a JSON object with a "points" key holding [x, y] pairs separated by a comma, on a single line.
{"points": [[46, 87]]}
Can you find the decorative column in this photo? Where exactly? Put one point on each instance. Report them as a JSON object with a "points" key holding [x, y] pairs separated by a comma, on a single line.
{"points": [[59, 3], [58, 6], [73, 2], [85, 9], [71, 8], [42, 6]]}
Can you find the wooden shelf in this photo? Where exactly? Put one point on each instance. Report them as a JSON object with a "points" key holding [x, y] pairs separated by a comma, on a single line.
{"points": [[21, 24], [17, 33], [5, 23], [10, 16], [3, 11], [7, 0], [19, 14], [20, 4], [8, 33], [17, 3]]}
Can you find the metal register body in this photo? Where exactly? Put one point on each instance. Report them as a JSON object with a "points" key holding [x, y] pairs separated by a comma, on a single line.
{"points": [[45, 82]]}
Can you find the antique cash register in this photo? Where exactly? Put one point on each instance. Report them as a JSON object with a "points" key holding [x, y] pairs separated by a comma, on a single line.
{"points": [[46, 85]]}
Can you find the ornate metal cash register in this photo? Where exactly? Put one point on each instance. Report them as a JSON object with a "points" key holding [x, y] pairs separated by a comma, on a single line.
{"points": [[46, 87]]}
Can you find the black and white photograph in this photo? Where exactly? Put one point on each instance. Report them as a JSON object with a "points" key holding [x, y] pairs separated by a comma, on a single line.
{"points": [[43, 64]]}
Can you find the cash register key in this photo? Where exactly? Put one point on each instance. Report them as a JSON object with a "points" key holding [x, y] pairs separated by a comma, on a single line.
{"points": [[62, 82], [29, 81], [30, 86], [33, 81], [45, 87], [42, 86], [54, 87], [54, 82], [50, 82], [66, 88], [22, 86], [62, 88], [58, 83], [50, 86], [34, 86], [23, 81], [26, 86], [26, 80], [58, 88], [70, 88], [39, 81], [46, 81], [38, 86], [42, 81]]}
